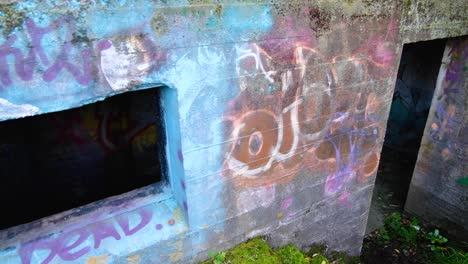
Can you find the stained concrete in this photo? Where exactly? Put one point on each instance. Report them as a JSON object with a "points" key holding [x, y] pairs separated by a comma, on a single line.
{"points": [[280, 114]]}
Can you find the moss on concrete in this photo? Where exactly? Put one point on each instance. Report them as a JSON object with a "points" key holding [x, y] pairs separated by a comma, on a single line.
{"points": [[406, 4], [219, 10], [253, 251], [258, 251], [10, 18], [159, 24]]}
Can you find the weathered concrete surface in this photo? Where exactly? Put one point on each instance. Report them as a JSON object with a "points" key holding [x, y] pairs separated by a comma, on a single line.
{"points": [[281, 115], [437, 191], [432, 19]]}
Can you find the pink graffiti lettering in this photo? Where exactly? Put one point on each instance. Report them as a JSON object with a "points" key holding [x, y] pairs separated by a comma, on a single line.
{"points": [[72, 245], [26, 251], [102, 231], [35, 59], [145, 218], [65, 251]]}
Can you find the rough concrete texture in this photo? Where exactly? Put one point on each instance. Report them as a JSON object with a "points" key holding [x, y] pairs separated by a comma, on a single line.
{"points": [[280, 113], [437, 189], [432, 19]]}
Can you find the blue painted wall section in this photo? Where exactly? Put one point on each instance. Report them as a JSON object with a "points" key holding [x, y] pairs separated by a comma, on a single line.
{"points": [[275, 116]]}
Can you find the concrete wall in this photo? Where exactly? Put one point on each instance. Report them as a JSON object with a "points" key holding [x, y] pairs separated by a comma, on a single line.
{"points": [[439, 187], [280, 114]]}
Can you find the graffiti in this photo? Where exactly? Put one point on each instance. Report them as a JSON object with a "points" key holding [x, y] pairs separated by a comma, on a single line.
{"points": [[286, 119], [72, 245], [463, 180], [128, 60], [268, 141], [297, 108], [112, 123], [118, 127], [285, 208], [134, 259], [440, 174], [62, 246], [447, 128], [69, 58], [97, 260]]}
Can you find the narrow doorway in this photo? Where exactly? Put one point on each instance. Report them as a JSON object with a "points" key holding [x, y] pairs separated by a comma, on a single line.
{"points": [[414, 88]]}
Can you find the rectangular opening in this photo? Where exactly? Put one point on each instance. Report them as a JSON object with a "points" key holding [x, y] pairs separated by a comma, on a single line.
{"points": [[416, 81], [58, 161]]}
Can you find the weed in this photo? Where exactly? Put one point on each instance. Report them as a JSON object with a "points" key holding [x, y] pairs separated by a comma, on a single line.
{"points": [[403, 239], [436, 240], [218, 258], [395, 227]]}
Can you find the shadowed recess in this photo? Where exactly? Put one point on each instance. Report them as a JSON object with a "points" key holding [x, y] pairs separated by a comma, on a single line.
{"points": [[413, 94], [66, 159]]}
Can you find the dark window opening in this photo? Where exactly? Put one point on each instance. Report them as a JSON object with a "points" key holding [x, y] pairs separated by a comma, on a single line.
{"points": [[54, 162], [416, 81]]}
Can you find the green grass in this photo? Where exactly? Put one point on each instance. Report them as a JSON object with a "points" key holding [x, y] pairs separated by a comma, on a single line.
{"points": [[452, 256]]}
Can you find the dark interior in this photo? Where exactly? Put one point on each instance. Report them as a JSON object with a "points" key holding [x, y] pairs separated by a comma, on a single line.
{"points": [[54, 162], [414, 89]]}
